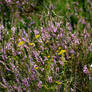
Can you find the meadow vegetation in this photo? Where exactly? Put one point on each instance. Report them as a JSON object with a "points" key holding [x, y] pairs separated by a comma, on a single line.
{"points": [[45, 45]]}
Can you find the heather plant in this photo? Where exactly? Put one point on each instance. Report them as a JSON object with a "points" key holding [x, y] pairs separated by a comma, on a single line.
{"points": [[45, 47]]}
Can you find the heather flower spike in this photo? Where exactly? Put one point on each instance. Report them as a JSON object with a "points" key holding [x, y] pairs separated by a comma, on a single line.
{"points": [[85, 69]]}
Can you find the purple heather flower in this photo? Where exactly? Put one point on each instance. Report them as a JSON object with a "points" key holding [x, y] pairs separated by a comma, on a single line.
{"points": [[0, 35], [0, 3], [4, 57], [42, 29], [90, 47], [58, 25], [25, 82], [76, 41], [83, 21], [32, 22], [36, 32], [68, 25], [42, 69], [25, 33], [59, 88], [15, 87], [39, 84], [43, 36], [4, 81], [35, 65], [17, 2], [17, 80], [60, 35], [88, 1], [28, 91], [57, 69], [54, 35], [8, 1], [49, 79], [85, 33], [61, 63], [14, 52], [73, 36], [23, 3], [42, 48], [47, 35], [51, 7], [54, 61], [1, 27], [72, 51], [85, 69], [45, 58], [19, 89], [24, 57], [61, 30], [55, 29]]}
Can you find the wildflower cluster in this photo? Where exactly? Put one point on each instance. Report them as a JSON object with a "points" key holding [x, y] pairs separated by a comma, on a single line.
{"points": [[45, 52]]}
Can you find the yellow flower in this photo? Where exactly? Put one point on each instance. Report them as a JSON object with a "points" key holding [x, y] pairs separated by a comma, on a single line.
{"points": [[59, 83], [52, 59], [45, 86], [61, 52], [59, 48], [32, 44], [20, 43], [47, 41], [48, 56], [36, 68], [37, 36]]}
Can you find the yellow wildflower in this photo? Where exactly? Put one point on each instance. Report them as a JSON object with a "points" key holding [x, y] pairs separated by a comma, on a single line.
{"points": [[32, 44], [61, 52], [52, 59], [59, 48], [59, 83], [20, 43], [48, 56], [47, 41], [45, 86], [36, 68], [37, 36]]}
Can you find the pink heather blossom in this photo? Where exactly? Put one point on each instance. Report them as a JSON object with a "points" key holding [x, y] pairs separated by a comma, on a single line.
{"points": [[85, 69], [68, 25], [49, 79], [83, 21], [8, 1], [39, 84], [1, 27], [36, 32], [25, 82]]}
